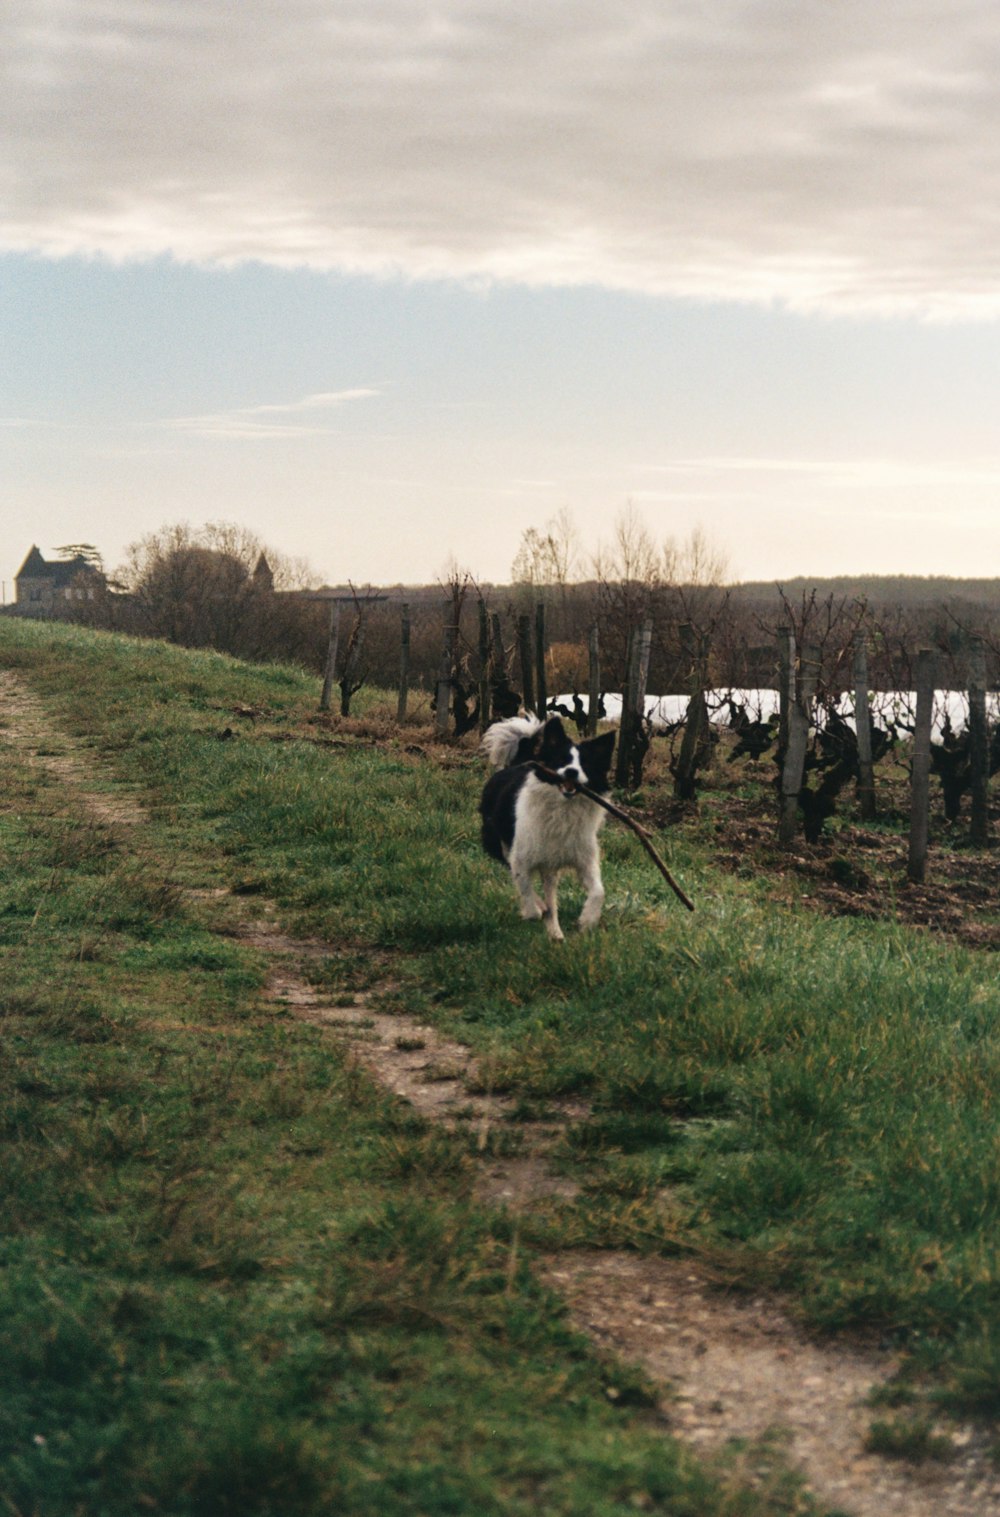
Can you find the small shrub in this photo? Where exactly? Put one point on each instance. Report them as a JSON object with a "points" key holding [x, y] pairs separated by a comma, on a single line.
{"points": [[914, 1440]]}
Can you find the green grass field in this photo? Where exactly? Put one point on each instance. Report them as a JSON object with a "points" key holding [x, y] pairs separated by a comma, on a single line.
{"points": [[236, 1278]]}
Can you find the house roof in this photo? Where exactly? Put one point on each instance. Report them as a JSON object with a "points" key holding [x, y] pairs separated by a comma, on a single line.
{"points": [[33, 565], [62, 571]]}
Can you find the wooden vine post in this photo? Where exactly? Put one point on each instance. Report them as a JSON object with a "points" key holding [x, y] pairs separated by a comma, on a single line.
{"points": [[863, 729], [799, 717], [625, 720], [916, 868], [330, 672], [642, 672], [499, 685], [593, 681], [695, 650], [404, 662], [446, 671], [631, 735], [541, 683], [484, 666], [786, 683], [526, 661], [979, 745], [498, 654]]}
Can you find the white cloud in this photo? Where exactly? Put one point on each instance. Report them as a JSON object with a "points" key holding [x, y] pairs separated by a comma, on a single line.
{"points": [[829, 153], [867, 474], [250, 423]]}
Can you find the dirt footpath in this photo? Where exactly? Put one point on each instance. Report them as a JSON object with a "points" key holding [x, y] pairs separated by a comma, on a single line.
{"points": [[730, 1370]]}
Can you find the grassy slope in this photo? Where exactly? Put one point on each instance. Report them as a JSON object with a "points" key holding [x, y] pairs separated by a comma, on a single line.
{"points": [[234, 1278], [819, 1096]]}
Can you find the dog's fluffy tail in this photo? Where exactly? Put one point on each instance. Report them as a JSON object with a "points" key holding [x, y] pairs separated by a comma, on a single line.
{"points": [[502, 740]]}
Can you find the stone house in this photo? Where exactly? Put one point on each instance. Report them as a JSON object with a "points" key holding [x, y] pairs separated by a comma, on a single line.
{"points": [[49, 587]]}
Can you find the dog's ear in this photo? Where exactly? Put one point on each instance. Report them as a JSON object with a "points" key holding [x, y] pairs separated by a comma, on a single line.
{"points": [[527, 749], [551, 737], [595, 755]]}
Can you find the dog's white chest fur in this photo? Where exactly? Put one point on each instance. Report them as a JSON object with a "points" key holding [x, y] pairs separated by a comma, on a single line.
{"points": [[554, 831]]}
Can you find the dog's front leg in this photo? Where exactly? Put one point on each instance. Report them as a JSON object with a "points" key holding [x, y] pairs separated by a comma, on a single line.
{"points": [[531, 907], [590, 878], [550, 883]]}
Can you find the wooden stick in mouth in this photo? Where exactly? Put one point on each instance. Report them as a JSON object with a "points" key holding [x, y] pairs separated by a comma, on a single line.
{"points": [[616, 811]]}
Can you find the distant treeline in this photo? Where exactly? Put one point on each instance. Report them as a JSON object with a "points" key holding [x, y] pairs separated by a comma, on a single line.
{"points": [[218, 588], [881, 590], [737, 626]]}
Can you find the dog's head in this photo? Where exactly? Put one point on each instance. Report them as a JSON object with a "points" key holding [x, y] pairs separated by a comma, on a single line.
{"points": [[585, 763]]}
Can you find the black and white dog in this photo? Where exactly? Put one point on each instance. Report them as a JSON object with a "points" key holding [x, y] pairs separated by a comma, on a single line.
{"points": [[533, 823]]}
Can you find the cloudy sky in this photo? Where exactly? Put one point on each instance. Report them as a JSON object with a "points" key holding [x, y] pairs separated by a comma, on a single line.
{"points": [[389, 281]]}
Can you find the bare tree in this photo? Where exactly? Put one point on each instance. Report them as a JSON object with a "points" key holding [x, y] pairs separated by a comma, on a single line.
{"points": [[206, 588], [550, 556], [831, 626], [696, 563], [629, 572], [632, 558], [87, 551]]}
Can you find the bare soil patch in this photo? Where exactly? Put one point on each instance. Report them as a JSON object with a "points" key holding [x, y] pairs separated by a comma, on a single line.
{"points": [[856, 870], [743, 1371]]}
